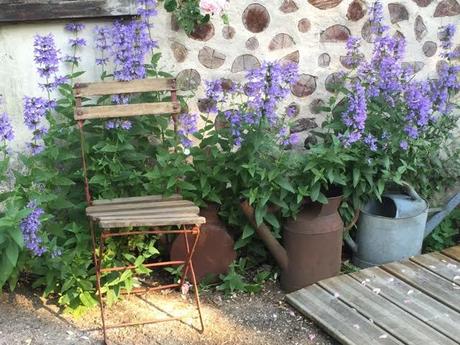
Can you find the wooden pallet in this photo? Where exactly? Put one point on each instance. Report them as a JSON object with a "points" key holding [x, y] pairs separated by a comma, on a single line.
{"points": [[414, 302]]}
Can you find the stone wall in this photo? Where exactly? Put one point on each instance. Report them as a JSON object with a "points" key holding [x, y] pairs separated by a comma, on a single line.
{"points": [[311, 33]]}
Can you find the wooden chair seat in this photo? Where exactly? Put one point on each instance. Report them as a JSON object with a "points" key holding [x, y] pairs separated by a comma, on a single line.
{"points": [[154, 210]]}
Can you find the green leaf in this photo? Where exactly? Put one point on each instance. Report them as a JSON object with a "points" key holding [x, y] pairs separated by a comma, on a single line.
{"points": [[16, 235], [315, 191], [248, 231], [380, 186], [87, 299], [356, 176], [272, 220], [171, 182], [12, 253], [260, 214], [285, 184], [170, 5], [77, 74]]}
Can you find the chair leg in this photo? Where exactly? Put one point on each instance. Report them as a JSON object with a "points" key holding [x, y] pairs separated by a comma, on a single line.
{"points": [[97, 265], [98, 285], [189, 264]]}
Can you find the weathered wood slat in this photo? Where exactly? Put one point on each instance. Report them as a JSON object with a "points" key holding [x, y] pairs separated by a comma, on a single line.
{"points": [[433, 285], [25, 10], [126, 110], [122, 87], [147, 217], [136, 199], [385, 314], [415, 302], [441, 265], [453, 252], [153, 222], [140, 205], [155, 211], [336, 318]]}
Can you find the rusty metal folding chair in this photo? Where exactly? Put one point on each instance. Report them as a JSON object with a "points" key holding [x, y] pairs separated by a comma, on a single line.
{"points": [[156, 213]]}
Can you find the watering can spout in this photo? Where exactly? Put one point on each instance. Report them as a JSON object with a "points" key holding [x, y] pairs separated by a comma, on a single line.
{"points": [[440, 214], [275, 248]]}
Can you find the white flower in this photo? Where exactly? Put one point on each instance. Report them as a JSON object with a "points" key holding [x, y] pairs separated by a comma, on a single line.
{"points": [[186, 152], [213, 6]]}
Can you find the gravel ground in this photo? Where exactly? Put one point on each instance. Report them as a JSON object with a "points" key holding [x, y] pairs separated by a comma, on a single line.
{"points": [[262, 319]]}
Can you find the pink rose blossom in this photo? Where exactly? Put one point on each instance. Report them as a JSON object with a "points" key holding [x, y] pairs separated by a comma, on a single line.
{"points": [[212, 6]]}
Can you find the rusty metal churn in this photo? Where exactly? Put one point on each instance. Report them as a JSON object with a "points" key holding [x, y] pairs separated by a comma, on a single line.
{"points": [[214, 252], [313, 243]]}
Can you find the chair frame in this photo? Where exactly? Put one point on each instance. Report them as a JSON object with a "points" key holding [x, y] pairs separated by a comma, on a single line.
{"points": [[82, 114]]}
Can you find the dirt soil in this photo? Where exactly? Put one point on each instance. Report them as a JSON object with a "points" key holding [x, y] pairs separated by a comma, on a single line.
{"points": [[261, 319]]}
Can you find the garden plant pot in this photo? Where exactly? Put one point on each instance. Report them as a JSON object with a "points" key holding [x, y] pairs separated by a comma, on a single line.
{"points": [[214, 251], [312, 244]]}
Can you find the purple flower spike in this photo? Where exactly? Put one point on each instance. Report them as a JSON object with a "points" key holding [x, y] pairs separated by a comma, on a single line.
{"points": [[115, 124], [77, 42], [147, 9], [6, 130], [35, 109], [294, 139], [404, 145], [30, 226], [131, 43], [46, 57], [188, 124], [74, 27]]}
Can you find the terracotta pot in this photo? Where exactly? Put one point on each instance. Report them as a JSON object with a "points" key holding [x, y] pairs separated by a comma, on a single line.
{"points": [[214, 251]]}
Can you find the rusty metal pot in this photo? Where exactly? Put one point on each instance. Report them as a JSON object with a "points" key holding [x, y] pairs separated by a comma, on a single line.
{"points": [[214, 252], [312, 243]]}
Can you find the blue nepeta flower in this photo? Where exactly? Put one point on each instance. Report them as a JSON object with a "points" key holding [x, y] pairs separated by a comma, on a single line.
{"points": [[77, 42], [131, 43], [404, 145], [115, 124], [6, 130], [35, 110], [102, 41], [147, 9], [74, 27], [46, 57], [265, 88], [188, 124], [30, 227]]}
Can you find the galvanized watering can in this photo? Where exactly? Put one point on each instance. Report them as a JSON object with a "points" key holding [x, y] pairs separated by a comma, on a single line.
{"points": [[394, 229]]}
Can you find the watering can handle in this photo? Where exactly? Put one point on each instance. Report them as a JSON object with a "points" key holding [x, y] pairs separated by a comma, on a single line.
{"points": [[410, 190], [353, 221]]}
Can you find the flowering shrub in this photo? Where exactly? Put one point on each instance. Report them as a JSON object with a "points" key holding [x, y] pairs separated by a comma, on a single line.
{"points": [[45, 214], [191, 13], [11, 212], [248, 150], [392, 124]]}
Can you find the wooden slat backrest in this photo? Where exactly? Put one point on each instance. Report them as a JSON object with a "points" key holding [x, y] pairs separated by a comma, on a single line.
{"points": [[125, 110]]}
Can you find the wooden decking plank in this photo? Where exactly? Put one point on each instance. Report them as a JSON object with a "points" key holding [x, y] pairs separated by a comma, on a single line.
{"points": [[415, 302], [440, 264], [431, 284], [337, 319], [385, 314], [453, 252]]}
